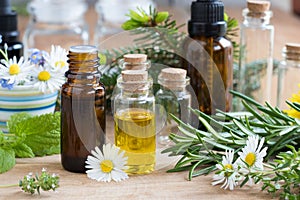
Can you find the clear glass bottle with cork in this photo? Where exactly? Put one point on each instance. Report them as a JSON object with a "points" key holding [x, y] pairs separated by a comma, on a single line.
{"points": [[208, 28], [256, 52], [288, 74], [174, 98], [82, 108], [134, 119]]}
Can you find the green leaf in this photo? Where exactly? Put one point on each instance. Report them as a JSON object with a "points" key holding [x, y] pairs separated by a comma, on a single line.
{"points": [[130, 24], [139, 17], [161, 17], [7, 159], [23, 151], [42, 133], [15, 119]]}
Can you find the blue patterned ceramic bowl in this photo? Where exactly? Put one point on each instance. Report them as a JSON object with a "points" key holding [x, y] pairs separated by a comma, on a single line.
{"points": [[24, 99]]}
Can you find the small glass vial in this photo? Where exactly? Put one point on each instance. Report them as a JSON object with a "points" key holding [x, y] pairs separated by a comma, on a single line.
{"points": [[134, 119], [55, 22], [288, 74], [256, 52], [172, 97], [82, 108]]}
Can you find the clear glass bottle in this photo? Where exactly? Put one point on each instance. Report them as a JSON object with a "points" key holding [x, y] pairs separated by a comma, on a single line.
{"points": [[208, 28], [82, 108], [111, 15], [172, 97], [55, 22], [256, 52], [134, 119], [288, 74]]}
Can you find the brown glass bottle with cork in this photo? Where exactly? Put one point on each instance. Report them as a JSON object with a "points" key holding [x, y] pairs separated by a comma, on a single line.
{"points": [[82, 108], [212, 63]]}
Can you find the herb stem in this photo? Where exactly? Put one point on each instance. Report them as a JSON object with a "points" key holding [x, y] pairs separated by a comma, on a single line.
{"points": [[9, 185]]}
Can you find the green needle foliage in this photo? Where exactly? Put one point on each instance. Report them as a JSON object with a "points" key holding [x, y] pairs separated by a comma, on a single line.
{"points": [[158, 36], [227, 131]]}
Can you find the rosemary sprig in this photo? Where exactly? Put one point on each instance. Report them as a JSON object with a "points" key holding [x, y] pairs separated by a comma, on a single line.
{"points": [[204, 149]]}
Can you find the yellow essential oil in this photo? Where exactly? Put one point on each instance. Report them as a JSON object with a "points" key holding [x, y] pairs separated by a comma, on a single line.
{"points": [[135, 133]]}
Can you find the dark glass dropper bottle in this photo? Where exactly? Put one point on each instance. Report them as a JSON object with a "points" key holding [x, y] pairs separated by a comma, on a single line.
{"points": [[208, 28], [9, 33]]}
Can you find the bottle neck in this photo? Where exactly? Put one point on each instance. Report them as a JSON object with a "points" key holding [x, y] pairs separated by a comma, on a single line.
{"points": [[256, 19], [83, 68]]}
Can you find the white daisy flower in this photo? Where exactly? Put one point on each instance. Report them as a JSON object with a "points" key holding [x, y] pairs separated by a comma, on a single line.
{"points": [[107, 166], [252, 154], [58, 58], [14, 71], [228, 172], [47, 79]]}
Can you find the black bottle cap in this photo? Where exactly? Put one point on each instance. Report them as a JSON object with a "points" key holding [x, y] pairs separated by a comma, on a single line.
{"points": [[207, 18], [8, 22]]}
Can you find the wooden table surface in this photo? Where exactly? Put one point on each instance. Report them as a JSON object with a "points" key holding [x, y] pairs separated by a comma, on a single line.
{"points": [[157, 185]]}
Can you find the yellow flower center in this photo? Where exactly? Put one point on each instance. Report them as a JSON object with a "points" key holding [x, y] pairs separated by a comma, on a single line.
{"points": [[14, 69], [228, 166], [44, 76], [60, 64], [106, 166], [250, 159]]}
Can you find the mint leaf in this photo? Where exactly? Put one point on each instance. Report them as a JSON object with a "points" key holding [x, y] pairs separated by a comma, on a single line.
{"points": [[23, 151], [15, 119], [41, 133], [7, 159]]}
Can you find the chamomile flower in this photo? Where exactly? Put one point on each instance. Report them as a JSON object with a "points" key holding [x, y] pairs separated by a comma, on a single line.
{"points": [[15, 72], [227, 172], [58, 58], [108, 165], [48, 79], [252, 153]]}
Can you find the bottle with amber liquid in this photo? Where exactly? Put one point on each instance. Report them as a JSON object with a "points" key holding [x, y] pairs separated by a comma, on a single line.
{"points": [[134, 121], [82, 108], [209, 56]]}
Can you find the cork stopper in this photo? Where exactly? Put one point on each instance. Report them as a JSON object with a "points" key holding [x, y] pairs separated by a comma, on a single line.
{"points": [[135, 62], [135, 81], [291, 51], [258, 6], [134, 75], [173, 74], [292, 47], [173, 78], [135, 58]]}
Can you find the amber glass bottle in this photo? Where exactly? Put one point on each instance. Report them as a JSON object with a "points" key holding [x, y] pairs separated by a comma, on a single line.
{"points": [[209, 65], [82, 108]]}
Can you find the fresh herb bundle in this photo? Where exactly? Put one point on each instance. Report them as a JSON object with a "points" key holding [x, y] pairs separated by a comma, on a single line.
{"points": [[200, 151], [29, 136]]}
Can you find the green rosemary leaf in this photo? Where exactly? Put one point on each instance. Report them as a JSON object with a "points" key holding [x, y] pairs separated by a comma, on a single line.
{"points": [[246, 98], [254, 112], [243, 128], [204, 171]]}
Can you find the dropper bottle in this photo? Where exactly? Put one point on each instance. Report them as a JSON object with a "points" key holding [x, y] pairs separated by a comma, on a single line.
{"points": [[211, 62], [9, 33]]}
